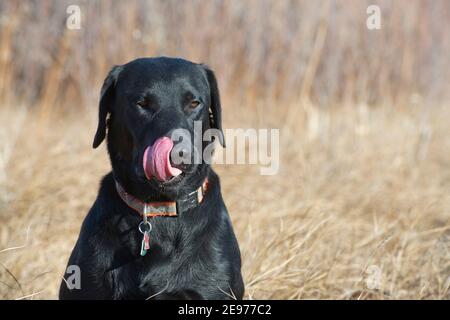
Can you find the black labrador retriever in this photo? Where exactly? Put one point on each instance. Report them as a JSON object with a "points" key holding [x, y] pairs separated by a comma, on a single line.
{"points": [[159, 228]]}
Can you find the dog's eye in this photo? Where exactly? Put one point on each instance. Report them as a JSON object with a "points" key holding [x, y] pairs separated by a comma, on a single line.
{"points": [[142, 103], [194, 104]]}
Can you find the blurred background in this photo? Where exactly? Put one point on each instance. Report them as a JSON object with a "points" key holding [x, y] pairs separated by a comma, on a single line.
{"points": [[360, 208]]}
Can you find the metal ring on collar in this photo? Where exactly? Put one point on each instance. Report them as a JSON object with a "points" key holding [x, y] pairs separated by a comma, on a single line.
{"points": [[148, 225]]}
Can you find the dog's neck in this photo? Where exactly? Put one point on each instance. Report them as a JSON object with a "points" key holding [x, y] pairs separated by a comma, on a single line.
{"points": [[163, 208]]}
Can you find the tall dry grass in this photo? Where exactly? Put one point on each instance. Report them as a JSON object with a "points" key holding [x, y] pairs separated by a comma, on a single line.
{"points": [[261, 49], [364, 180]]}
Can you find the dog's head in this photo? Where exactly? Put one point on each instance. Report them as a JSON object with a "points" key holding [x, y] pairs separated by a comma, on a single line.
{"points": [[145, 104]]}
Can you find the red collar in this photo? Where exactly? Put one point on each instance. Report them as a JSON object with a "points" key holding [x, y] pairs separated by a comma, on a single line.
{"points": [[163, 208]]}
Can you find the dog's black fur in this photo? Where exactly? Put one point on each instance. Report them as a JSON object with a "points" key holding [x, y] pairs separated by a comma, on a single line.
{"points": [[192, 256]]}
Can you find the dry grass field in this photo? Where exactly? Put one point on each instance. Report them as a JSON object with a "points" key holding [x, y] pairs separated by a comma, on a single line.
{"points": [[372, 188], [360, 206]]}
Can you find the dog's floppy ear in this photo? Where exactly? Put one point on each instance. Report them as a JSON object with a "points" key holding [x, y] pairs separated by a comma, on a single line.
{"points": [[106, 100], [215, 109]]}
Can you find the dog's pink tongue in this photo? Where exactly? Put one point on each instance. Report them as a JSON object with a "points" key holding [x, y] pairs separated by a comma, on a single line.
{"points": [[157, 160]]}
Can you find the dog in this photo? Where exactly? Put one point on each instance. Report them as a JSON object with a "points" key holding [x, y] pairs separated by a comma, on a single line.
{"points": [[158, 229]]}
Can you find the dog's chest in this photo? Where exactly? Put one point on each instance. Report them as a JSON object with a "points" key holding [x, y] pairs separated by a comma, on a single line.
{"points": [[177, 260]]}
